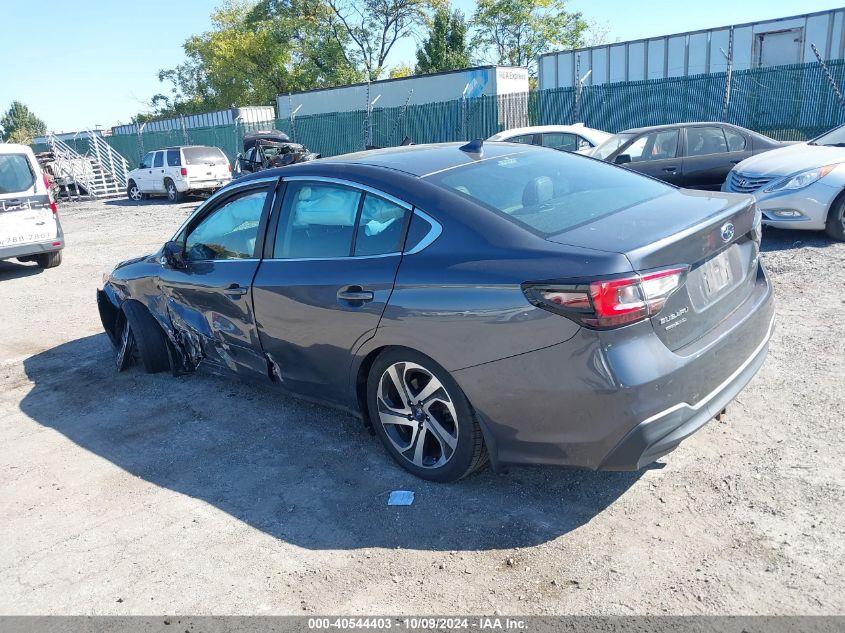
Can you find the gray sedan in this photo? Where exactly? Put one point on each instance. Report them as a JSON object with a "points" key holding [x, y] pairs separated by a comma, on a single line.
{"points": [[473, 303], [800, 186]]}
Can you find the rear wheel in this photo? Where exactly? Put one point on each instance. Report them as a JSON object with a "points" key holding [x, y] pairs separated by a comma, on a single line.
{"points": [[49, 260], [133, 192], [422, 417], [149, 339], [836, 220], [173, 193]]}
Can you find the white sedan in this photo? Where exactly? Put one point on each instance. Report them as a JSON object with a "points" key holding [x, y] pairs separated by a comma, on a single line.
{"points": [[566, 138]]}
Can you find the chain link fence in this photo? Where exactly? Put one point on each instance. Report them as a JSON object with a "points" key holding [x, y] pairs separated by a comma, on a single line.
{"points": [[786, 102]]}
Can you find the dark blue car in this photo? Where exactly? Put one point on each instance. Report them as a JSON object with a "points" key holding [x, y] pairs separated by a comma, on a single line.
{"points": [[501, 302]]}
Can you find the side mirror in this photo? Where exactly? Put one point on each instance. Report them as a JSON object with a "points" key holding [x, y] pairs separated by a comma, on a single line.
{"points": [[622, 159], [172, 256]]}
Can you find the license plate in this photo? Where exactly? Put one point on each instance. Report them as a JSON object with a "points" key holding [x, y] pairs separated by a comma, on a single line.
{"points": [[717, 273]]}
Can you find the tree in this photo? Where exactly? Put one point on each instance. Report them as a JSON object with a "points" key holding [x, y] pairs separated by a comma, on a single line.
{"points": [[401, 70], [20, 125], [515, 32], [366, 30], [445, 48]]}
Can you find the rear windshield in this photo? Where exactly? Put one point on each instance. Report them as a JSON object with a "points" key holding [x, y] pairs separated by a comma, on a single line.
{"points": [[548, 191], [16, 174], [203, 155]]}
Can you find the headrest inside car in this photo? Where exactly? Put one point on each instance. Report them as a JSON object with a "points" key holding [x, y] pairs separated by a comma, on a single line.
{"points": [[537, 191]]}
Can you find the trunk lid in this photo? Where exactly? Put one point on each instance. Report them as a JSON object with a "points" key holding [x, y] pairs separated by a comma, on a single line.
{"points": [[711, 233]]}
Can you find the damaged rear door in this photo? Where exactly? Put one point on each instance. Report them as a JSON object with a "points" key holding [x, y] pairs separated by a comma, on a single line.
{"points": [[208, 298]]}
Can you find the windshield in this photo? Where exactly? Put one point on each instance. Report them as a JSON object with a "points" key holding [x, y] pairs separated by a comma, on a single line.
{"points": [[834, 138], [611, 145], [203, 155], [15, 173], [549, 191]]}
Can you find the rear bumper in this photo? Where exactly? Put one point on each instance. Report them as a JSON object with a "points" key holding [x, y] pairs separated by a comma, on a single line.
{"points": [[619, 400], [36, 248], [201, 185]]}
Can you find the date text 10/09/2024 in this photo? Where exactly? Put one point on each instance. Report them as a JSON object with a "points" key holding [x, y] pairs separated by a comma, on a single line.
{"points": [[423, 624]]}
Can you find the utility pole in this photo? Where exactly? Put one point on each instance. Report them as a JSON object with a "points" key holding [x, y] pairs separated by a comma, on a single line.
{"points": [[830, 79], [729, 57]]}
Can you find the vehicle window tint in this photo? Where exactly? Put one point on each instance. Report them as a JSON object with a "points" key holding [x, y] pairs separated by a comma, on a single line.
{"points": [[230, 231], [525, 139], [147, 162], [417, 230], [318, 220], [380, 227], [736, 141], [173, 159], [705, 140], [159, 159], [560, 141], [203, 156], [607, 148], [654, 146], [636, 150], [16, 173], [549, 192]]}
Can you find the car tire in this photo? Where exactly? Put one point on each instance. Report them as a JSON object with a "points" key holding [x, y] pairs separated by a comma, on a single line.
{"points": [[49, 260], [150, 341], [443, 420], [173, 194], [835, 227], [133, 192]]}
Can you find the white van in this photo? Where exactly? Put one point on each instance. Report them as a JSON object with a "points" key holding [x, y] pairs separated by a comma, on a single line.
{"points": [[175, 171], [29, 221]]}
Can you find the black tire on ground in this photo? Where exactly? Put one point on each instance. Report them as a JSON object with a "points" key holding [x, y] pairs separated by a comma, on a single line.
{"points": [[133, 192], [150, 341], [49, 260], [469, 453], [836, 219], [173, 194]]}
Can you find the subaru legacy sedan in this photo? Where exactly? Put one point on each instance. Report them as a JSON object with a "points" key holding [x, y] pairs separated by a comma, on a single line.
{"points": [[471, 302]]}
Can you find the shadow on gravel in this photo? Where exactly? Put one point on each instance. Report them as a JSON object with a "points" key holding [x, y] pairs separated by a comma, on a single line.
{"points": [[300, 472], [785, 239], [14, 270]]}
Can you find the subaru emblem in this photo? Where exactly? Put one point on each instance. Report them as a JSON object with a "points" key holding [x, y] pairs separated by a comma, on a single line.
{"points": [[727, 231]]}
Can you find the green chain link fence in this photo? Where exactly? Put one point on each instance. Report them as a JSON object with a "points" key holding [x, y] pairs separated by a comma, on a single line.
{"points": [[785, 102]]}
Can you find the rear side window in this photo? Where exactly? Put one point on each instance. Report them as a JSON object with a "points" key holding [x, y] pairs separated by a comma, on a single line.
{"points": [[16, 173], [203, 156], [173, 159], [549, 192], [380, 227], [705, 140], [736, 141], [525, 139], [159, 160], [560, 141]]}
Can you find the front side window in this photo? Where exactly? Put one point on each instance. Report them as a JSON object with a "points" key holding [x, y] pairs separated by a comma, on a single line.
{"points": [[705, 140], [380, 228], [653, 146], [604, 151], [318, 220], [549, 192], [147, 161], [525, 139], [560, 141], [159, 160], [173, 159], [16, 174], [228, 232]]}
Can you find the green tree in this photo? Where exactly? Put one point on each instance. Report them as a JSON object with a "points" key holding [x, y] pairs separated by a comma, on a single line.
{"points": [[445, 48], [401, 70], [20, 125], [515, 32]]}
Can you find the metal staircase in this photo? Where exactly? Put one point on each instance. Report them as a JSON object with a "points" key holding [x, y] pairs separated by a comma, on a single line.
{"points": [[99, 173]]}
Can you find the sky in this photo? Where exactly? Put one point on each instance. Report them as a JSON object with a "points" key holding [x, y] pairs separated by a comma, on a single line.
{"points": [[87, 63]]}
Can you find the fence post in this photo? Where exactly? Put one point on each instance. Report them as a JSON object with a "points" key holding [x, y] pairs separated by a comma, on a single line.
{"points": [[184, 130], [140, 130], [729, 56], [464, 122], [830, 79]]}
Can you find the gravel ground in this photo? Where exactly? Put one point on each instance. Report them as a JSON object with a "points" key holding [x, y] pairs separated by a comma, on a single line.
{"points": [[137, 494]]}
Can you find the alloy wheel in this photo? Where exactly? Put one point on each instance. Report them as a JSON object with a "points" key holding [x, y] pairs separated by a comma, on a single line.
{"points": [[418, 414], [134, 193], [171, 191]]}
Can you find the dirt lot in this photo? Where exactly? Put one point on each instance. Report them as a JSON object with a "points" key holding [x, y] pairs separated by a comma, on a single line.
{"points": [[137, 494]]}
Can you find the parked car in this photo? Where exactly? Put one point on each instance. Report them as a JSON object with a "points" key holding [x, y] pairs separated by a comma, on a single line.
{"points": [[574, 314], [270, 148], [691, 155], [566, 138], [29, 220], [800, 186], [176, 171]]}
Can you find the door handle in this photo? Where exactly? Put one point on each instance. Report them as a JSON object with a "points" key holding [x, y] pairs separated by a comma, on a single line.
{"points": [[354, 294], [235, 291], [670, 170]]}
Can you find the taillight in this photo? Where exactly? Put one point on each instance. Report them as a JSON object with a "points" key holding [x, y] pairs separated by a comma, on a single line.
{"points": [[609, 303], [184, 171], [230, 168]]}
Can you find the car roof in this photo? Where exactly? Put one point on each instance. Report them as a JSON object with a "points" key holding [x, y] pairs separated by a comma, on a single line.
{"points": [[415, 160], [539, 129], [668, 126], [15, 148]]}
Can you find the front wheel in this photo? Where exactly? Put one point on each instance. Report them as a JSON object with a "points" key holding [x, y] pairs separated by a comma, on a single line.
{"points": [[835, 227], [173, 194], [422, 417], [133, 192]]}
